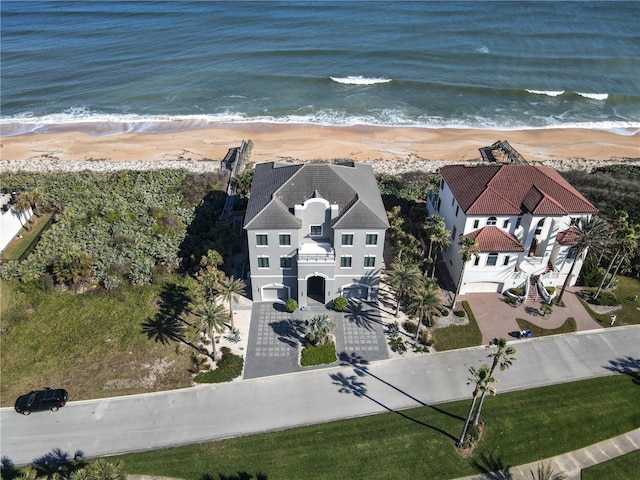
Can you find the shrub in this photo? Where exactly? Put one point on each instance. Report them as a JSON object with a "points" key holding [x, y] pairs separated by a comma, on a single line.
{"points": [[409, 327], [229, 367], [393, 329], [426, 338], [550, 290], [397, 345], [519, 292], [444, 312], [606, 298], [291, 305], [459, 313], [340, 303], [320, 355]]}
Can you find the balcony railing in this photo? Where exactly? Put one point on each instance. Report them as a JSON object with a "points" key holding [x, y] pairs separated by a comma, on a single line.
{"points": [[317, 257]]}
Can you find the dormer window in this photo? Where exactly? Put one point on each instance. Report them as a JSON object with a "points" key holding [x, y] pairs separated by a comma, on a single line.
{"points": [[491, 221]]}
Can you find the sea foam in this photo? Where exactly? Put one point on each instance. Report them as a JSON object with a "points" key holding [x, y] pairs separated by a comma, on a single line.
{"points": [[549, 93], [594, 96], [360, 80]]}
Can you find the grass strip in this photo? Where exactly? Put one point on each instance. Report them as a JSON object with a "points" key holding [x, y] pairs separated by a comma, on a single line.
{"points": [[568, 326], [624, 467], [521, 427], [459, 336]]}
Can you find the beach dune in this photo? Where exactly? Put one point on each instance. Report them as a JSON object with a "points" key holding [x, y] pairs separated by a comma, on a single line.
{"points": [[400, 149]]}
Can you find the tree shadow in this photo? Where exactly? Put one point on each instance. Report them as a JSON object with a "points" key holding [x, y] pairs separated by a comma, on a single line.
{"points": [[168, 325], [626, 365], [351, 385], [243, 475], [358, 388], [8, 470], [533, 311], [290, 332], [58, 463], [492, 468], [363, 315]]}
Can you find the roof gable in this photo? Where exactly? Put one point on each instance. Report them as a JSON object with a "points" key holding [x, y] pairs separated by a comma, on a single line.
{"points": [[351, 186], [513, 190], [492, 239]]}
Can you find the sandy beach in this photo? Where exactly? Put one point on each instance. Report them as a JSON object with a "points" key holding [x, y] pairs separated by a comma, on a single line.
{"points": [[388, 149]]}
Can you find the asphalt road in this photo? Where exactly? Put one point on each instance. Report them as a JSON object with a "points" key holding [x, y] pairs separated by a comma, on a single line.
{"points": [[212, 412]]}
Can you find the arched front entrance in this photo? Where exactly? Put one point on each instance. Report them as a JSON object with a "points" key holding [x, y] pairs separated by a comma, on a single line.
{"points": [[316, 289]]}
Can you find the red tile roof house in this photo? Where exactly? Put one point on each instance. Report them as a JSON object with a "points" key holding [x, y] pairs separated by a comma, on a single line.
{"points": [[521, 216]]}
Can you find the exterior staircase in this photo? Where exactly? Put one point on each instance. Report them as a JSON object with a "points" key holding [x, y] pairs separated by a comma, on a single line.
{"points": [[533, 295]]}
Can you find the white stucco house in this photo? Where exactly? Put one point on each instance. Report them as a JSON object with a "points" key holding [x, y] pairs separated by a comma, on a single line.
{"points": [[11, 221], [521, 216], [315, 231]]}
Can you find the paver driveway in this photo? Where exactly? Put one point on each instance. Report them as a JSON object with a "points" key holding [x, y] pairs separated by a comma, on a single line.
{"points": [[275, 337]]}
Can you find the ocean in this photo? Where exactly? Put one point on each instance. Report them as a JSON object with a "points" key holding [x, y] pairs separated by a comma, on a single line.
{"points": [[159, 66]]}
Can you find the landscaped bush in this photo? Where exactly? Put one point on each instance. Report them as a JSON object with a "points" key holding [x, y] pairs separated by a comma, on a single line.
{"points": [[229, 367], [605, 299], [459, 313], [409, 327], [291, 305], [397, 345], [340, 303], [320, 355], [425, 338], [518, 292], [550, 290], [444, 312]]}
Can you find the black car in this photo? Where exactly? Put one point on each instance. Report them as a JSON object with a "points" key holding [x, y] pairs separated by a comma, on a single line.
{"points": [[47, 399]]}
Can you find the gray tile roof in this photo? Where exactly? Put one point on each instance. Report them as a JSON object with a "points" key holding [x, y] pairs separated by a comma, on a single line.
{"points": [[277, 188]]}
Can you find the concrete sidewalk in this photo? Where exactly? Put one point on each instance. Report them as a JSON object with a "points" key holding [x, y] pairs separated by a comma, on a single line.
{"points": [[571, 464]]}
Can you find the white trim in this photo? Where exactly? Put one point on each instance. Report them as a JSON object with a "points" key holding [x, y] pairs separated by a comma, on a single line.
{"points": [[345, 244], [350, 263], [316, 225], [265, 234], [268, 262], [283, 244], [364, 265]]}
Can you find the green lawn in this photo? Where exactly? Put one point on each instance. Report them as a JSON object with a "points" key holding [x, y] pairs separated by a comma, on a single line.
{"points": [[459, 336], [625, 467], [625, 292], [91, 344], [569, 326], [522, 427]]}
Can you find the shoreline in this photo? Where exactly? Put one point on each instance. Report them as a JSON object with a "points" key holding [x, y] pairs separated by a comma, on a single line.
{"points": [[389, 149]]}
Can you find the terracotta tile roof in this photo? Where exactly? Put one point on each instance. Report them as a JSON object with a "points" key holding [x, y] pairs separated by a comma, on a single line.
{"points": [[492, 239], [513, 190], [569, 236]]}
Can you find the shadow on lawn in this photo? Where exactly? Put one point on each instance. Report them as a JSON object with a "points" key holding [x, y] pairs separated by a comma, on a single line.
{"points": [[55, 464], [628, 366], [351, 384], [492, 468]]}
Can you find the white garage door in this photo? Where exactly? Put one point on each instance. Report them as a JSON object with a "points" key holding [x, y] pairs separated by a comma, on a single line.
{"points": [[355, 292], [484, 287], [274, 294]]}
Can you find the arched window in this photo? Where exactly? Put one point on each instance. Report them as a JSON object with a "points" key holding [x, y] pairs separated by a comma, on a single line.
{"points": [[492, 221]]}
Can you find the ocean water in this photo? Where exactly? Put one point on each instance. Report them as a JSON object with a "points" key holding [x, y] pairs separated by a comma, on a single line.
{"points": [[116, 66]]}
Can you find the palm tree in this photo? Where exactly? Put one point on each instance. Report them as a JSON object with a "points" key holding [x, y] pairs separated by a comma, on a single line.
{"points": [[228, 289], [211, 321], [503, 357], [100, 470], [22, 205], [630, 245], [320, 326], [403, 277], [468, 248], [481, 377], [592, 233], [440, 239], [425, 301], [432, 225], [72, 266], [625, 241], [35, 196]]}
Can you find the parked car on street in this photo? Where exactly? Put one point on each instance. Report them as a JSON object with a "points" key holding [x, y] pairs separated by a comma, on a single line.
{"points": [[46, 399]]}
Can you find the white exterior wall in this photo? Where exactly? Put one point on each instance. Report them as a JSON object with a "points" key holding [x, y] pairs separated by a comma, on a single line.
{"points": [[482, 277], [11, 222]]}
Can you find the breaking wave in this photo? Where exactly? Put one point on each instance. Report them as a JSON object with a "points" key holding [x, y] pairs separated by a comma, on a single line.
{"points": [[360, 80]]}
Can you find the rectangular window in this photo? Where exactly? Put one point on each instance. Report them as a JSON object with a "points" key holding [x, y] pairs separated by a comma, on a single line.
{"points": [[453, 233], [518, 222], [285, 262], [262, 239], [439, 201], [505, 224], [476, 262], [476, 223], [345, 261], [506, 260], [492, 259], [315, 230], [372, 239], [285, 239], [347, 239], [369, 261], [263, 262]]}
